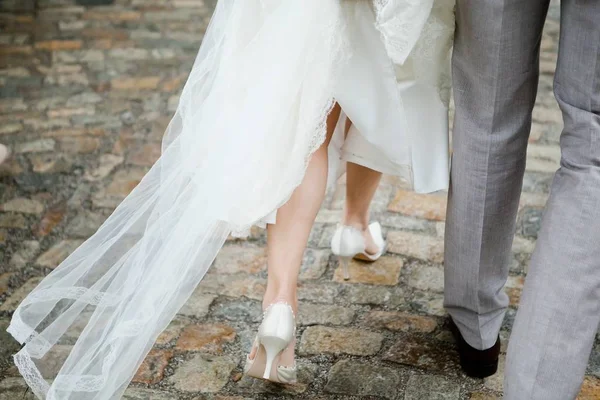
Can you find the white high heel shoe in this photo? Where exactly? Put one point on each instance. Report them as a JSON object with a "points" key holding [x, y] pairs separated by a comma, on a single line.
{"points": [[276, 332], [348, 242]]}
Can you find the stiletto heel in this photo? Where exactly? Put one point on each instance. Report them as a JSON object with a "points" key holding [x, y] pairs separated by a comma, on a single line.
{"points": [[348, 242], [273, 346], [344, 262], [276, 332]]}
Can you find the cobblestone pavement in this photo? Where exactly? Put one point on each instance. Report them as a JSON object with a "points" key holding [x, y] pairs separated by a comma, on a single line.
{"points": [[86, 92]]}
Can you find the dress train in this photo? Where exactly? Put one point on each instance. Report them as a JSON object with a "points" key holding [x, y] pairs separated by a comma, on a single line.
{"points": [[250, 116]]}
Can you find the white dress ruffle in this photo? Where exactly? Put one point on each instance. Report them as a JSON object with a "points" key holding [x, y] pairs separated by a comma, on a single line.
{"points": [[250, 116]]}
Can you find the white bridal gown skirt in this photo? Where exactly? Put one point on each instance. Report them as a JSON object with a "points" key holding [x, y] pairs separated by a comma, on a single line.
{"points": [[423, 84], [399, 111], [249, 118]]}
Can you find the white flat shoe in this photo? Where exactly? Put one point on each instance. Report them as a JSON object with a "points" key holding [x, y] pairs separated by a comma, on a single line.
{"points": [[348, 242], [276, 332]]}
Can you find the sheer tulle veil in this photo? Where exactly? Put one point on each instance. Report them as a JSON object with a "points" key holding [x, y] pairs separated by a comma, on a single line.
{"points": [[265, 67]]}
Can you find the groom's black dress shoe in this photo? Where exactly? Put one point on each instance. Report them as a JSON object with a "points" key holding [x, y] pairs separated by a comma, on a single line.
{"points": [[475, 363]]}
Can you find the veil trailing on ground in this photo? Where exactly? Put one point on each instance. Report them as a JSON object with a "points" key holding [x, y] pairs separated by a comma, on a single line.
{"points": [[250, 116]]}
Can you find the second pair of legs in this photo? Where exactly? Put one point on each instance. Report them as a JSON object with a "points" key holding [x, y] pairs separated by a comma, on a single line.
{"points": [[272, 356]]}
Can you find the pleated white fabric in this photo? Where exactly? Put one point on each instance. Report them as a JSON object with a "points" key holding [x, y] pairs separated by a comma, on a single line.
{"points": [[250, 116], [396, 91]]}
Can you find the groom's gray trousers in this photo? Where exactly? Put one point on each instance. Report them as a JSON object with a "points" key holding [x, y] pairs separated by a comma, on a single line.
{"points": [[495, 76]]}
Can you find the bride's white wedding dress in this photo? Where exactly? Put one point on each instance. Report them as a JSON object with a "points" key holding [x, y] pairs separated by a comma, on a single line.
{"points": [[250, 116]]}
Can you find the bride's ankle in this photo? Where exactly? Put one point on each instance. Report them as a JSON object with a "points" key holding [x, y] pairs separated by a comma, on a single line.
{"points": [[358, 222], [281, 298]]}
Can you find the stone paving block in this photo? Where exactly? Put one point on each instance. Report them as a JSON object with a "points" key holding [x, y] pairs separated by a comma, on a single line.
{"points": [[429, 303], [385, 271], [530, 222], [142, 83], [440, 229], [134, 393], [377, 295], [71, 111], [322, 314], [36, 146], [514, 296], [50, 163], [54, 360], [425, 277], [407, 223], [209, 338], [145, 155], [314, 264], [58, 253], [11, 303], [321, 237], [590, 390], [202, 373], [15, 388], [356, 378], [321, 339], [84, 98], [544, 152], [85, 224], [430, 355], [318, 293], [198, 304], [543, 166], [123, 182], [12, 220], [8, 345], [234, 285], [533, 200], [425, 387], [427, 206], [79, 145], [35, 183], [172, 331], [419, 246], [4, 281], [536, 182], [50, 220], [547, 115], [400, 321], [220, 397], [23, 205], [240, 259], [43, 124], [111, 15], [326, 216], [483, 396], [240, 310], [523, 245], [12, 105], [152, 369], [106, 164], [11, 128], [27, 250]]}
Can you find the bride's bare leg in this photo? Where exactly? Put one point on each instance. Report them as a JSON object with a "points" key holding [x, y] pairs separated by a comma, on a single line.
{"points": [[286, 240], [361, 185]]}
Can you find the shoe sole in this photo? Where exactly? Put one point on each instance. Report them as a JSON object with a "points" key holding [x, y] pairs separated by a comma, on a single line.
{"points": [[479, 371]]}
